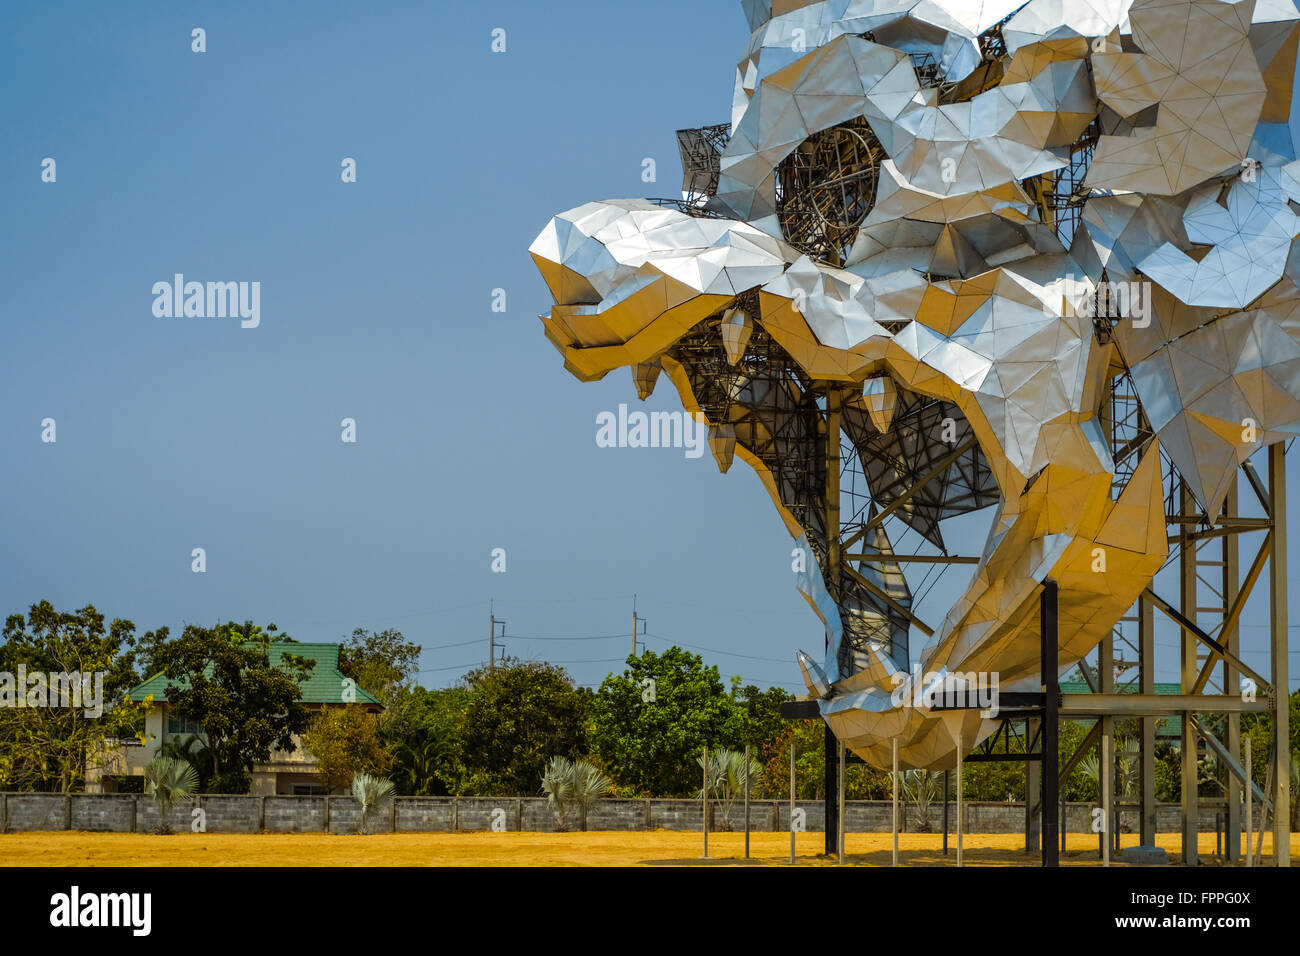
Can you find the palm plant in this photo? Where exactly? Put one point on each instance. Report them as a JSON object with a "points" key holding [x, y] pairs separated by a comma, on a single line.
{"points": [[1090, 767], [1295, 788], [589, 785], [557, 784], [375, 794], [190, 749], [1129, 773], [726, 780], [921, 789], [169, 781], [569, 784], [417, 765]]}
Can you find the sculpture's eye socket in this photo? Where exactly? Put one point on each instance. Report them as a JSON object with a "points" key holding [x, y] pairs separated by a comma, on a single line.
{"points": [[826, 187]]}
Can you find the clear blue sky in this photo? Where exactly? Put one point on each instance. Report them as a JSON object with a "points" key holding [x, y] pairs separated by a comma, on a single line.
{"points": [[182, 433]]}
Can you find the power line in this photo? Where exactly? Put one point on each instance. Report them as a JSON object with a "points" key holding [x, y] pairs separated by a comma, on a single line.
{"points": [[714, 650], [579, 600], [605, 660], [453, 667], [438, 647], [590, 637]]}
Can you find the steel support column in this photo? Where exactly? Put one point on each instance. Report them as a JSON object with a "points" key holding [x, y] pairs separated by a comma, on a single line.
{"points": [[1278, 646], [1106, 745], [1051, 725], [1033, 786], [1147, 685], [1189, 805], [1231, 638], [833, 572]]}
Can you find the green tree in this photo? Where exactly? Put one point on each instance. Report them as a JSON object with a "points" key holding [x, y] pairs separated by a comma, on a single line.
{"points": [[516, 717], [650, 746], [382, 662], [246, 703], [764, 729], [810, 764], [345, 742], [251, 632], [861, 781], [53, 747], [425, 744]]}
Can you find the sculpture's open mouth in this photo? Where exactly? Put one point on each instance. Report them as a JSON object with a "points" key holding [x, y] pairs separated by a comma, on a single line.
{"points": [[889, 267]]}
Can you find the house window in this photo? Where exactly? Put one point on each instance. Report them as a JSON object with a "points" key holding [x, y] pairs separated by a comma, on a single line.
{"points": [[308, 790], [182, 725]]}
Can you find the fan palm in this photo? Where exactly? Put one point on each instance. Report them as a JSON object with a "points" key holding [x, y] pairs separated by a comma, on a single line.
{"points": [[375, 794], [557, 784], [726, 780], [1295, 788], [169, 781], [190, 749], [921, 789], [569, 784]]}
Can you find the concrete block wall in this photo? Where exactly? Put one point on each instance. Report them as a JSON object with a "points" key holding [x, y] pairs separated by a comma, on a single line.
{"points": [[88, 812], [147, 818], [238, 813], [35, 811], [425, 813], [294, 814], [231, 813]]}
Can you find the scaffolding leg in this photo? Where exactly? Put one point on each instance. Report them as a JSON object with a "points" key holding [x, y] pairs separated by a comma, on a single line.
{"points": [[1051, 726], [1281, 669], [831, 782], [1033, 787], [1189, 805], [1231, 678], [1147, 755]]}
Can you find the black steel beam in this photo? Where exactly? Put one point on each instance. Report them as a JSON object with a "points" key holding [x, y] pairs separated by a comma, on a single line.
{"points": [[831, 781], [1000, 758], [800, 710], [1051, 726], [1010, 700]]}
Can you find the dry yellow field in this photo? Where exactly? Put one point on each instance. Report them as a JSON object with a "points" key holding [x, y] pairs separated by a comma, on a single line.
{"points": [[603, 848]]}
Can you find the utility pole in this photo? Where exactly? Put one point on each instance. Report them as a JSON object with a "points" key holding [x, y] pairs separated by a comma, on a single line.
{"points": [[636, 621], [492, 637]]}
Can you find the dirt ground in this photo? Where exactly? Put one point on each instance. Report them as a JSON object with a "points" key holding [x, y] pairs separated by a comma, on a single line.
{"points": [[603, 848]]}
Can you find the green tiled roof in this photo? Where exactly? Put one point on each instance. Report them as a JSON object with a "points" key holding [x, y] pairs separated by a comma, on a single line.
{"points": [[324, 686]]}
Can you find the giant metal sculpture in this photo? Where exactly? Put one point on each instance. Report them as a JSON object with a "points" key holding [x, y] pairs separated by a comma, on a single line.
{"points": [[951, 254]]}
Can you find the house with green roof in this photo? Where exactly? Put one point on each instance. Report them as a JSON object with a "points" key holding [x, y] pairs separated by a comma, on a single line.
{"points": [[286, 773]]}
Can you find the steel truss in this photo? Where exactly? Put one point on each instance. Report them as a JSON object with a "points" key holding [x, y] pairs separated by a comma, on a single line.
{"points": [[1215, 587]]}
